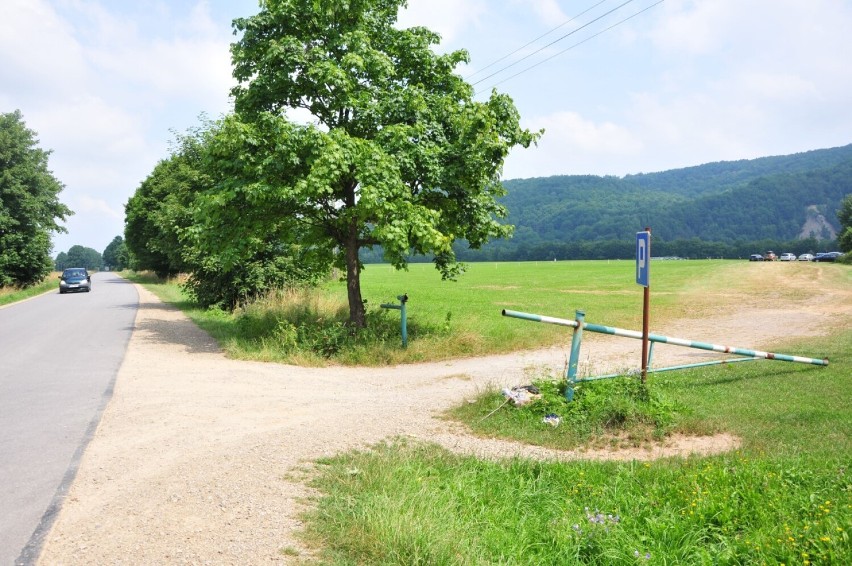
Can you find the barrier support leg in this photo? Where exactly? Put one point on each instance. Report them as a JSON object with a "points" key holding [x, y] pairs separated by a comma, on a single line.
{"points": [[574, 360]]}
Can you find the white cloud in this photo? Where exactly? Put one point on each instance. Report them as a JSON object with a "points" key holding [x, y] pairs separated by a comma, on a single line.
{"points": [[38, 53], [548, 11], [446, 17], [574, 143], [102, 84], [88, 204]]}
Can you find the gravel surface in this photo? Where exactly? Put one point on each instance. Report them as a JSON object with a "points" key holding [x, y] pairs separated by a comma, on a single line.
{"points": [[197, 458]]}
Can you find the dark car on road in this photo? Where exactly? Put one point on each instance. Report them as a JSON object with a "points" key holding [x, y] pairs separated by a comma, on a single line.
{"points": [[75, 279], [755, 257]]}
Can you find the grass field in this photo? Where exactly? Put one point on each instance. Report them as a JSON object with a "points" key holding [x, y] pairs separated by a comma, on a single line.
{"points": [[448, 319], [784, 497]]}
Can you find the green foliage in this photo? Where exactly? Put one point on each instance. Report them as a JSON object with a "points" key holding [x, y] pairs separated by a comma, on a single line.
{"points": [[116, 255], [844, 215], [61, 261], [81, 256], [213, 283], [401, 156], [160, 209], [165, 227], [29, 205]]}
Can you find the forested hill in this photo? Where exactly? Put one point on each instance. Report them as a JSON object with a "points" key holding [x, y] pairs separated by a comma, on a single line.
{"points": [[779, 199], [717, 177]]}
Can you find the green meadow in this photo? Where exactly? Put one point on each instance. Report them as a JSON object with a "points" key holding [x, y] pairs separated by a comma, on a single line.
{"points": [[448, 319]]}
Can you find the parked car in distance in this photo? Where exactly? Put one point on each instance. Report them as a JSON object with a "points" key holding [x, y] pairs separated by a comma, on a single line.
{"points": [[806, 257], [827, 256], [755, 257], [787, 257], [770, 256], [75, 279]]}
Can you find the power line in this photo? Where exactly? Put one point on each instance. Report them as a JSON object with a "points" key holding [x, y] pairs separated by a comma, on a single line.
{"points": [[569, 48], [552, 43], [545, 34]]}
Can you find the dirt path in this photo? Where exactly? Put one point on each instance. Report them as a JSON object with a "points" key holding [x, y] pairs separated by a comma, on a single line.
{"points": [[196, 458]]}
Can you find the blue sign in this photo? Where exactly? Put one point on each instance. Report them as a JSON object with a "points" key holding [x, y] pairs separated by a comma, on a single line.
{"points": [[643, 258]]}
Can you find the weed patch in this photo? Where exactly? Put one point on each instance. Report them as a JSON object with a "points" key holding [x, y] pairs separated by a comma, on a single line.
{"points": [[622, 409]]}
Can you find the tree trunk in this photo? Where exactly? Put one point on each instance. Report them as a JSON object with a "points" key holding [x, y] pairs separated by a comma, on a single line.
{"points": [[357, 315]]}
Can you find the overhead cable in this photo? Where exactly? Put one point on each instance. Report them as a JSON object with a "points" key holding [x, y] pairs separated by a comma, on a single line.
{"points": [[539, 50], [567, 48], [545, 34]]}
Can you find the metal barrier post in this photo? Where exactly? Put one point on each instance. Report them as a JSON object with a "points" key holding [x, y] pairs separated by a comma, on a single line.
{"points": [[403, 299], [574, 360]]}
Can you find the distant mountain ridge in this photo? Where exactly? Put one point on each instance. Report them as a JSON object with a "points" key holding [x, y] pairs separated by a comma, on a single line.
{"points": [[721, 175], [780, 198]]}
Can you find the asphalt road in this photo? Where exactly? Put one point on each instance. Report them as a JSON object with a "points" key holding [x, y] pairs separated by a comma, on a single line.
{"points": [[59, 356]]}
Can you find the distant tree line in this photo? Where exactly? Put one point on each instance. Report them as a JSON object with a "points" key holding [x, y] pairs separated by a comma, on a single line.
{"points": [[694, 248], [115, 257]]}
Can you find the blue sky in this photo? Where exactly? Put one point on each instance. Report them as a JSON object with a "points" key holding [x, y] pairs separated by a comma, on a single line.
{"points": [[104, 82]]}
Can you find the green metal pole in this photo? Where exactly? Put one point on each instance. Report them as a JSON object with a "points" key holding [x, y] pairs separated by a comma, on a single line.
{"points": [[574, 360], [404, 320]]}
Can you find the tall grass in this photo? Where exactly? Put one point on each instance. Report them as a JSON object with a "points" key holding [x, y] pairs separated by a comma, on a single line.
{"points": [[10, 295]]}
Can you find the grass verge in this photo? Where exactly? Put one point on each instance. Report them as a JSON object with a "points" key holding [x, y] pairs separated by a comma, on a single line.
{"points": [[9, 295]]}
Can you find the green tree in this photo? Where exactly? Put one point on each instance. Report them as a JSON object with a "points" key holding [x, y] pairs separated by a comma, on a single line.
{"points": [[151, 239], [161, 232], [400, 154], [81, 256], [61, 261], [844, 215], [29, 204], [115, 255]]}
